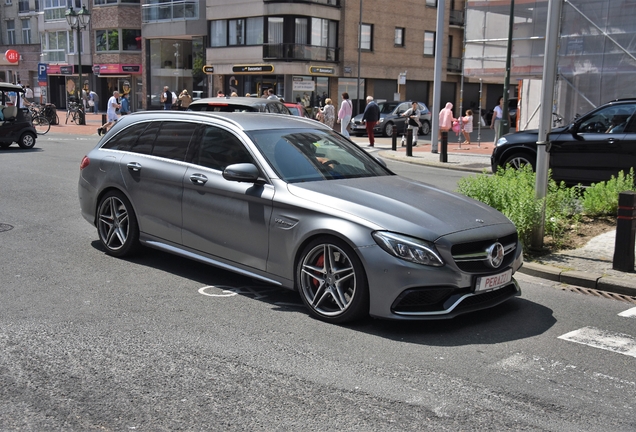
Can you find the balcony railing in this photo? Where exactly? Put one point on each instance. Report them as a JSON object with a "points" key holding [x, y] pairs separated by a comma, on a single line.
{"points": [[454, 65], [456, 18], [170, 11], [291, 52], [325, 2]]}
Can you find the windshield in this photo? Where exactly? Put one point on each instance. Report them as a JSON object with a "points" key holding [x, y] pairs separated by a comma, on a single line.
{"points": [[304, 155], [387, 107]]}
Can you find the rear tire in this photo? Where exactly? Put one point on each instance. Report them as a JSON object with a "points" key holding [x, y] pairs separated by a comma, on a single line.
{"points": [[426, 128], [117, 225], [27, 140], [41, 125], [332, 281]]}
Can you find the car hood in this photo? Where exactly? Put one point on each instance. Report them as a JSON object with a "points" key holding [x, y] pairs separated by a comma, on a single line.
{"points": [[398, 204], [532, 132]]}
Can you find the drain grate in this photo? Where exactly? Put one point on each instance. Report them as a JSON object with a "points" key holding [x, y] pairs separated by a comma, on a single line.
{"points": [[5, 227], [597, 293]]}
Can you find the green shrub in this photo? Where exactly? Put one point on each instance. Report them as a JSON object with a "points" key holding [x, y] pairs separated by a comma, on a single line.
{"points": [[601, 199]]}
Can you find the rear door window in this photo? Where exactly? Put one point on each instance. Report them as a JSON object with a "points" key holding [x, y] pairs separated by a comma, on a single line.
{"points": [[126, 138], [173, 139]]}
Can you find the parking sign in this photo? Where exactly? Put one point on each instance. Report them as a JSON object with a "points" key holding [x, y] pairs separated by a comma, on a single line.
{"points": [[41, 72]]}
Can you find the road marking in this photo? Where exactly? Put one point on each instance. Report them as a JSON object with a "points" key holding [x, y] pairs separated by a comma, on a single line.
{"points": [[224, 293], [615, 342], [258, 292], [629, 313]]}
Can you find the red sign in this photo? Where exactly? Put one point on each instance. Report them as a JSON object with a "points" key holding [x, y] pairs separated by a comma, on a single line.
{"points": [[12, 56]]}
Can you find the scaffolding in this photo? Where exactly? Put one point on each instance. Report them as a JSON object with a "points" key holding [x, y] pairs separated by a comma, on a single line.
{"points": [[597, 50]]}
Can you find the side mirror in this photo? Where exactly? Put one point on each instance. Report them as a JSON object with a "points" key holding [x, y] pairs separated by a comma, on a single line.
{"points": [[241, 172]]}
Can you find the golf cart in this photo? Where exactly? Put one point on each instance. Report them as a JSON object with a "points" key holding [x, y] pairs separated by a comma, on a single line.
{"points": [[15, 121]]}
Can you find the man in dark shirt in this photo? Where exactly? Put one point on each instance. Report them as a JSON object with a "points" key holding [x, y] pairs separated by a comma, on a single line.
{"points": [[166, 98], [370, 118]]}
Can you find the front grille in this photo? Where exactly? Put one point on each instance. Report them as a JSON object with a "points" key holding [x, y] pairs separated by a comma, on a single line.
{"points": [[470, 257], [423, 299]]}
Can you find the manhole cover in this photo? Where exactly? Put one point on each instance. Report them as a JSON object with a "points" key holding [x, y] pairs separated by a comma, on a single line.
{"points": [[5, 227]]}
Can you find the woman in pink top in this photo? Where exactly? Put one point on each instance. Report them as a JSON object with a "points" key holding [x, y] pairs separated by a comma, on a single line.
{"points": [[344, 115], [446, 118]]}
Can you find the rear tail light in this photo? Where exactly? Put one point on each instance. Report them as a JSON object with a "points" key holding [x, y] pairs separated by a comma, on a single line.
{"points": [[85, 162]]}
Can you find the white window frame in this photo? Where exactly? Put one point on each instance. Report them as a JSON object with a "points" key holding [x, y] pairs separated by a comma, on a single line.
{"points": [[429, 46]]}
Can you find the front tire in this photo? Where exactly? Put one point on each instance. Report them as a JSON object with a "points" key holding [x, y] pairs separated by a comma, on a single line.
{"points": [[27, 140], [332, 281], [117, 225], [519, 160]]}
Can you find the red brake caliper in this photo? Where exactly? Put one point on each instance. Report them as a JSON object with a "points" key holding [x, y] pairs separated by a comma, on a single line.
{"points": [[319, 263]]}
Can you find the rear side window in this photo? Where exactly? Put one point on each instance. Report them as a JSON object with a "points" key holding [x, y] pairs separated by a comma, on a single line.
{"points": [[173, 139], [218, 148], [146, 139], [126, 138]]}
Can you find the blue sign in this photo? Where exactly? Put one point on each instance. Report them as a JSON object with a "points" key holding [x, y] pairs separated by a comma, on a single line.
{"points": [[41, 72]]}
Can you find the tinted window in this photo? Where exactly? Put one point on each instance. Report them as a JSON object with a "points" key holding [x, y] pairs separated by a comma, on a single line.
{"points": [[223, 107], [126, 138], [146, 139], [218, 148], [173, 139]]}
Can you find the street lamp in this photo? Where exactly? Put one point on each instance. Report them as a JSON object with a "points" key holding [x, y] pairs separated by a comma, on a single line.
{"points": [[79, 21]]}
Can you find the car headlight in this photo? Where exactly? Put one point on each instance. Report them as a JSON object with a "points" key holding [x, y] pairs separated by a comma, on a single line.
{"points": [[381, 120], [408, 248], [501, 141]]}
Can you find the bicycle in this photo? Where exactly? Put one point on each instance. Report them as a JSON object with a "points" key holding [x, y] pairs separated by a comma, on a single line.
{"points": [[75, 112], [40, 123]]}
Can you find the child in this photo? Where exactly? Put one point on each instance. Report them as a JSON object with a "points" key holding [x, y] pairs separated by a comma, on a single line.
{"points": [[468, 126]]}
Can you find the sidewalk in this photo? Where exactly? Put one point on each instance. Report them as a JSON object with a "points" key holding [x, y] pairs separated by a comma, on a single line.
{"points": [[93, 121], [588, 267]]}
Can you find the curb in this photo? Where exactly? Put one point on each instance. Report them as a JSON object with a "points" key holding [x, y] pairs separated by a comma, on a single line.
{"points": [[454, 165], [583, 279]]}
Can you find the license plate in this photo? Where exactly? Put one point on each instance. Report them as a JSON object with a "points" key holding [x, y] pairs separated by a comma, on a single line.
{"points": [[489, 283]]}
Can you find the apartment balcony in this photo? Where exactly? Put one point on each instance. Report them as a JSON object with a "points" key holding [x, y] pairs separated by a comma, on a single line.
{"points": [[170, 11], [295, 52], [456, 18], [454, 65], [324, 2]]}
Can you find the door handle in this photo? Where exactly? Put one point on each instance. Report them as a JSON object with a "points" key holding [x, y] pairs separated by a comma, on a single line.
{"points": [[199, 179], [134, 166]]}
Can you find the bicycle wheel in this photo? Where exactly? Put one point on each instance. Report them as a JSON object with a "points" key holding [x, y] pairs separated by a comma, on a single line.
{"points": [[41, 125], [77, 116]]}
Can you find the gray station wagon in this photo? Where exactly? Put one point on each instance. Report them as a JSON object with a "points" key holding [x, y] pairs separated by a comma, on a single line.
{"points": [[289, 201]]}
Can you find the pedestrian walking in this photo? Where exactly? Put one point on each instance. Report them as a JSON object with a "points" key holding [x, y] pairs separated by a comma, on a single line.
{"points": [[111, 113], [329, 112], [166, 99], [370, 117], [497, 118], [125, 105], [446, 120], [344, 114], [28, 93], [93, 101], [413, 120]]}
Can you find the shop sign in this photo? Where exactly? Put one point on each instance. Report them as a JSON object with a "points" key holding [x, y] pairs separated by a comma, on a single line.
{"points": [[12, 56], [208, 69], [321, 70], [66, 70], [247, 69], [116, 68]]}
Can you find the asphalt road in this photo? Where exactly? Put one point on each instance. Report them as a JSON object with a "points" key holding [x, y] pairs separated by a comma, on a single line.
{"points": [[154, 343]]}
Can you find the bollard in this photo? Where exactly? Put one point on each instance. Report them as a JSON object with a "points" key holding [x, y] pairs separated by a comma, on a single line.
{"points": [[103, 119], [443, 154], [409, 142], [625, 232], [394, 139], [82, 117]]}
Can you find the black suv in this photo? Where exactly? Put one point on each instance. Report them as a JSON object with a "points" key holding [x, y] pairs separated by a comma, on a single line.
{"points": [[15, 122], [239, 104], [591, 149]]}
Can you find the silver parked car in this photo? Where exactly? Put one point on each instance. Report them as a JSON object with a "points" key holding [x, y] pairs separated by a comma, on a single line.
{"points": [[288, 201]]}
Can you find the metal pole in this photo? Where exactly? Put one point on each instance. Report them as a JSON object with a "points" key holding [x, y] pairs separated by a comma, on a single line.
{"points": [[79, 61], [359, 55], [504, 124], [437, 77], [545, 120]]}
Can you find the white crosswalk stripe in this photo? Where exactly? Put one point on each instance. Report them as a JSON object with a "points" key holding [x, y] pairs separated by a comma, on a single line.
{"points": [[615, 342], [629, 313]]}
